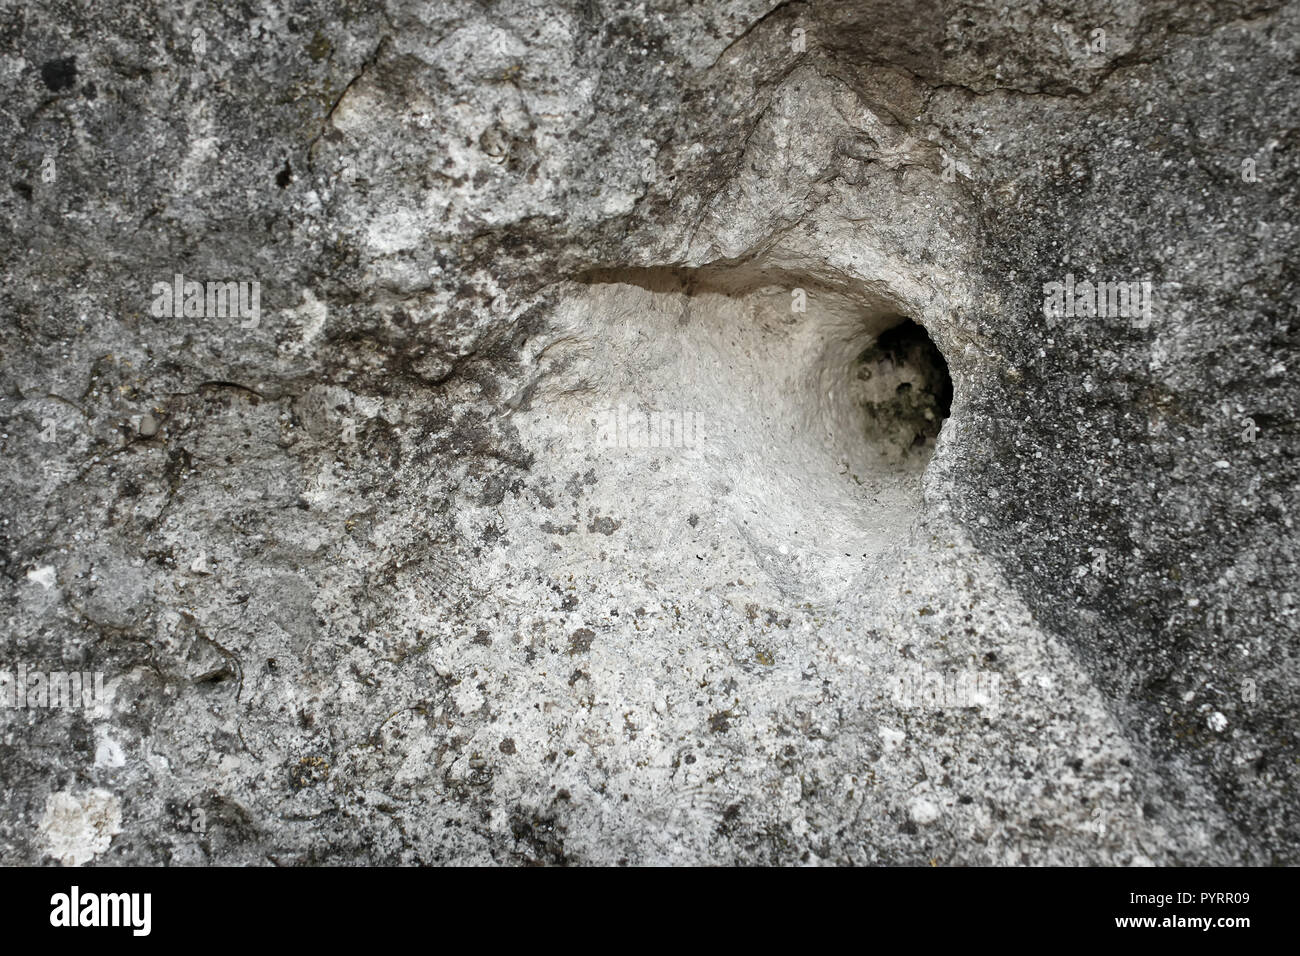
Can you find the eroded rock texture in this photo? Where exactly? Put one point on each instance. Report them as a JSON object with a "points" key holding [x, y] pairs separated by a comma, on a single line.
{"points": [[575, 492]]}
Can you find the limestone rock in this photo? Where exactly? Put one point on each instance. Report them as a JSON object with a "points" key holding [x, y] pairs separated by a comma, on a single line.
{"points": [[651, 432]]}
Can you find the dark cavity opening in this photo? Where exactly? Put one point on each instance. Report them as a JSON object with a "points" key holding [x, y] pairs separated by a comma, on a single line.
{"points": [[905, 387]]}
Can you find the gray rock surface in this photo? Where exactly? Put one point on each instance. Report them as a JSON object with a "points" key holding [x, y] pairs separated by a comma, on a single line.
{"points": [[575, 491]]}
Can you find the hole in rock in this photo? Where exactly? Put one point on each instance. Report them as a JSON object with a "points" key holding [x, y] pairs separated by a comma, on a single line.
{"points": [[810, 406], [906, 390]]}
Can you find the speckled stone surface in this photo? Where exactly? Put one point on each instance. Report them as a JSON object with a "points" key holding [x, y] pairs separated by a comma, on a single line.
{"points": [[556, 500]]}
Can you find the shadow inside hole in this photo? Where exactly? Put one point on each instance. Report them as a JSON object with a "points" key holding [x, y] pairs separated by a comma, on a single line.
{"points": [[904, 389]]}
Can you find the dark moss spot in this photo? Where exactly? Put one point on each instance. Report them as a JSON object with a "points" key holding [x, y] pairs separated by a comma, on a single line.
{"points": [[59, 74], [319, 47], [539, 840], [605, 526], [581, 639]]}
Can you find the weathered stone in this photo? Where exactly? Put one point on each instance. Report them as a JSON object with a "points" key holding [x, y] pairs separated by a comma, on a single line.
{"points": [[573, 489]]}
